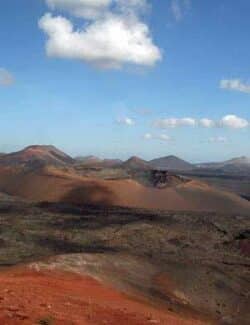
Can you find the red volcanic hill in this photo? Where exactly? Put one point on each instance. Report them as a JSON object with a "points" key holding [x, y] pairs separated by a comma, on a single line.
{"points": [[55, 185], [46, 155], [136, 163]]}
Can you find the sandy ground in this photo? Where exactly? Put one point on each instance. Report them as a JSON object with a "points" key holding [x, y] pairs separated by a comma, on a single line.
{"points": [[54, 297], [55, 185]]}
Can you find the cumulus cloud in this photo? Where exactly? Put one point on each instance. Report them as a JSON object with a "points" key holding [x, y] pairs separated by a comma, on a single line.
{"points": [[233, 122], [6, 78], [110, 38], [207, 123], [228, 121], [218, 139], [174, 122], [148, 136], [162, 137], [235, 85], [125, 121], [179, 8]]}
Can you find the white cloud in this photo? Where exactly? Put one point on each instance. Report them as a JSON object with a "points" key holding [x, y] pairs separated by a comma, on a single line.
{"points": [[228, 121], [110, 38], [174, 122], [207, 123], [6, 78], [148, 136], [164, 137], [125, 121], [235, 85], [179, 8], [233, 122], [218, 139]]}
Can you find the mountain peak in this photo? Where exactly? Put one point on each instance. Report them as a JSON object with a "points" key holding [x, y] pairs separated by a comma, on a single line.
{"points": [[44, 154], [135, 162], [171, 162]]}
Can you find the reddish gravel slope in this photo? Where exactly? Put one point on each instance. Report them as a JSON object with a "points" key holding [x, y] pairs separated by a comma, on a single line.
{"points": [[31, 297]]}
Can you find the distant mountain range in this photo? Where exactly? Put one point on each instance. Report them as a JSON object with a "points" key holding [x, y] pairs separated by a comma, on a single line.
{"points": [[168, 163], [240, 164], [93, 161], [50, 155]]}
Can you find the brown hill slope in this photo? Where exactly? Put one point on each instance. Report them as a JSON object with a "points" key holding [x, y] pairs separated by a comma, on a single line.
{"points": [[53, 184], [136, 163], [36, 155]]}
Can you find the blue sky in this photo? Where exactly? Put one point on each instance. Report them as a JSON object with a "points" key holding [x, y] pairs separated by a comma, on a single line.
{"points": [[131, 77]]}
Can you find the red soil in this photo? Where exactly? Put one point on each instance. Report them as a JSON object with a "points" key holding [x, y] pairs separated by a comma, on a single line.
{"points": [[28, 297]]}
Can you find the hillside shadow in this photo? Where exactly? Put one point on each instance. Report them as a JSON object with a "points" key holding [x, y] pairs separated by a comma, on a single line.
{"points": [[97, 217], [90, 194]]}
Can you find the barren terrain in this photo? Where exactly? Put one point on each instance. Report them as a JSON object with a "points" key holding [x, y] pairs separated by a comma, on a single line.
{"points": [[118, 245], [193, 266], [67, 185]]}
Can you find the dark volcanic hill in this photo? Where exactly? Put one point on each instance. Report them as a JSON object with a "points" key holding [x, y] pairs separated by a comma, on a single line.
{"points": [[136, 163], [32, 155], [171, 163]]}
